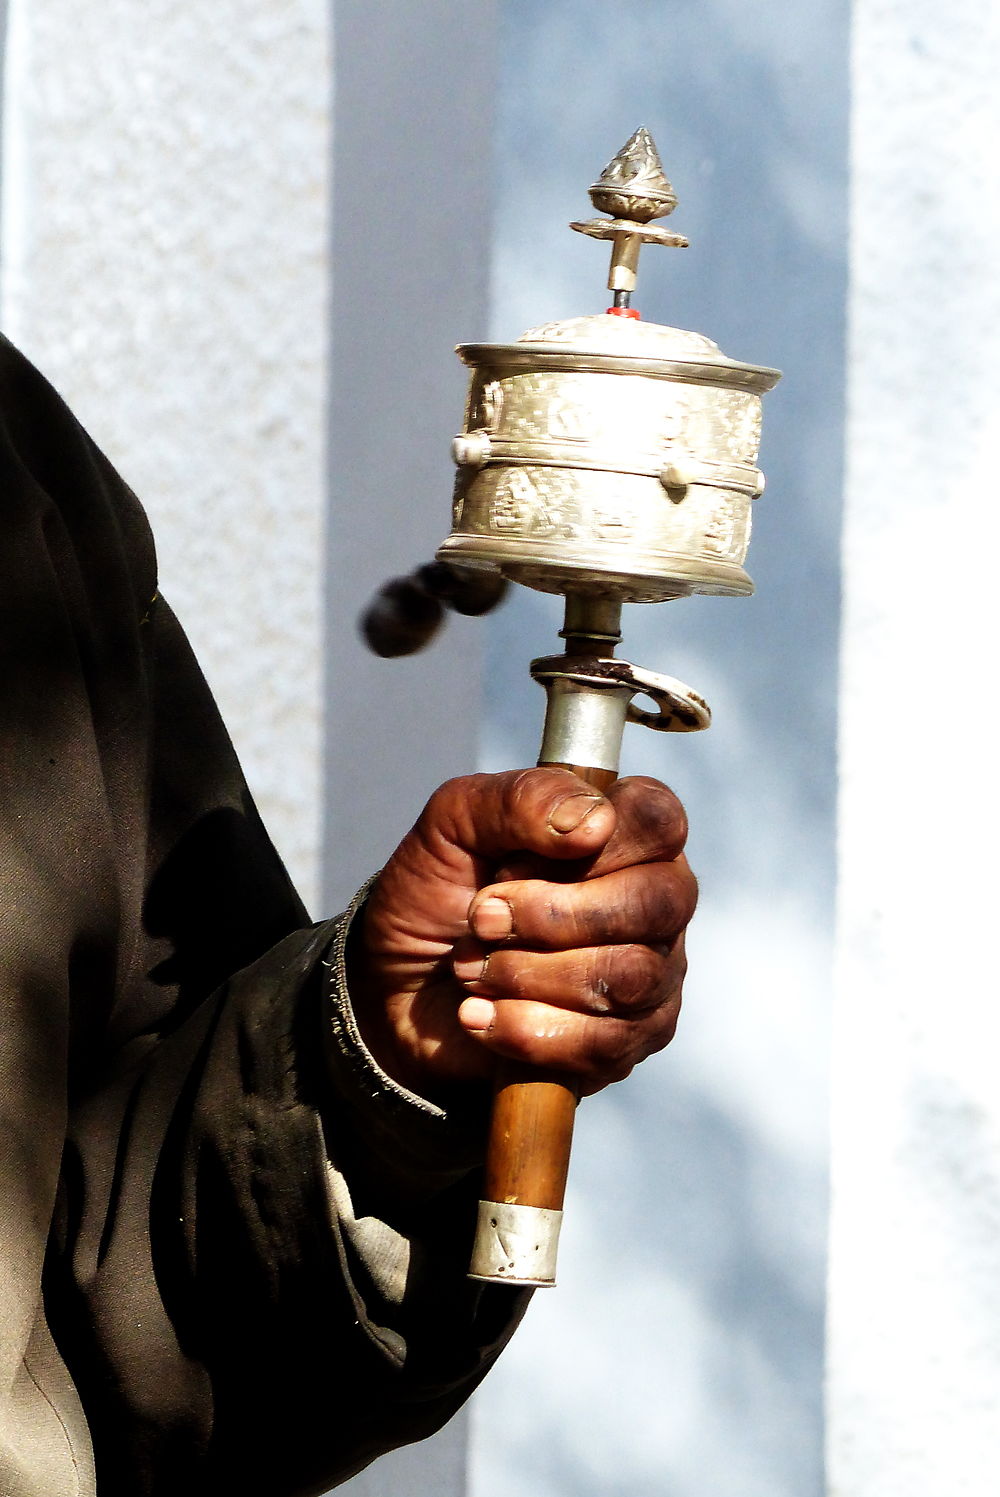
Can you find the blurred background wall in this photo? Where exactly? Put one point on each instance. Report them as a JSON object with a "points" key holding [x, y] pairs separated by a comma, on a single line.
{"points": [[242, 241]]}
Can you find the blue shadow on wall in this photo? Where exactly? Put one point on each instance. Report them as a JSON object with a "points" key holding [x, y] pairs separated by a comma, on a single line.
{"points": [[682, 1353]]}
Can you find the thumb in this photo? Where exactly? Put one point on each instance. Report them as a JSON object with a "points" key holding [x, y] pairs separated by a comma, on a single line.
{"points": [[550, 812]]}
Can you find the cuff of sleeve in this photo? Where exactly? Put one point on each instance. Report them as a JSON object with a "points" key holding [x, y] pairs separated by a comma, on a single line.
{"points": [[419, 1147]]}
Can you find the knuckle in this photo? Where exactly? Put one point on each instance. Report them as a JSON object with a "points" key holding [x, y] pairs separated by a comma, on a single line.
{"points": [[608, 1051], [677, 966], [656, 812], [688, 890], [598, 918], [519, 790], [451, 805], [661, 1025], [584, 926], [672, 963], [460, 788], [673, 895], [627, 976]]}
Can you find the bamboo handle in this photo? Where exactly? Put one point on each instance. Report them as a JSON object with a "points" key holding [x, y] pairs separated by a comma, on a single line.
{"points": [[527, 1159]]}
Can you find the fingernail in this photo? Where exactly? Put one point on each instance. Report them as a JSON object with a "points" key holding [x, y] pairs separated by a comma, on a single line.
{"points": [[493, 920], [470, 970], [476, 1014], [569, 813]]}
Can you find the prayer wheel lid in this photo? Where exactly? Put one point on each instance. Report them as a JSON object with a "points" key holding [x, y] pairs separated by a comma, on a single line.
{"points": [[605, 333], [606, 342]]}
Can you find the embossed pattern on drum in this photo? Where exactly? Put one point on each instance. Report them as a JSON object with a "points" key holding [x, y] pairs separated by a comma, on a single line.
{"points": [[612, 455]]}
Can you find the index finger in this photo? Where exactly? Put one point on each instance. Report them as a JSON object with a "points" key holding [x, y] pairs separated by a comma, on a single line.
{"points": [[643, 903]]}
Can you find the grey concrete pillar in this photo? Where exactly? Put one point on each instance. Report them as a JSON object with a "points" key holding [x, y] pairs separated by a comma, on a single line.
{"points": [[413, 187], [412, 201]]}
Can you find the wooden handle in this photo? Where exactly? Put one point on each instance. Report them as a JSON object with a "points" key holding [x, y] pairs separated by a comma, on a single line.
{"points": [[531, 1129], [531, 1133]]}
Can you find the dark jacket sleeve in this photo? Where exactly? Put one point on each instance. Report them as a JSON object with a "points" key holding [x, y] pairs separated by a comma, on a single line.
{"points": [[270, 1287], [256, 1242]]}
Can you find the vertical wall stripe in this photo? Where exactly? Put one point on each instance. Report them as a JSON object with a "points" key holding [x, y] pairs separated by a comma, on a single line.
{"points": [[413, 194], [914, 1310], [682, 1352]]}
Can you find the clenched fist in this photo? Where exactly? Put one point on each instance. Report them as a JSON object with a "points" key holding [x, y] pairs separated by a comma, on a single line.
{"points": [[529, 916]]}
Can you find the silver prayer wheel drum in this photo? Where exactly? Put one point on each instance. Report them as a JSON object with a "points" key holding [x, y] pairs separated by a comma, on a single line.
{"points": [[604, 454]]}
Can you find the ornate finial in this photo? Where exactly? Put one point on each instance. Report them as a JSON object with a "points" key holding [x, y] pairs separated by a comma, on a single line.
{"points": [[633, 187]]}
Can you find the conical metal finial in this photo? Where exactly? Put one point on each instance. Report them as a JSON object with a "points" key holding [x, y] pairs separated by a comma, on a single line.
{"points": [[633, 187]]}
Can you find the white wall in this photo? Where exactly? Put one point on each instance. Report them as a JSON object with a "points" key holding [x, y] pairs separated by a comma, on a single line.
{"points": [[165, 262], [914, 1318]]}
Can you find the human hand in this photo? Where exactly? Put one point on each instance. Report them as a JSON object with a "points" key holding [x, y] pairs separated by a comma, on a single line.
{"points": [[527, 915]]}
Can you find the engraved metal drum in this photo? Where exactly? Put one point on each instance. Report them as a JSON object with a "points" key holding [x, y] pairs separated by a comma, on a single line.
{"points": [[605, 454]]}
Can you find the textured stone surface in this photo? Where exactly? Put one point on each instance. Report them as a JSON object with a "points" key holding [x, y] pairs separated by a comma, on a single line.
{"points": [[914, 1315], [165, 262]]}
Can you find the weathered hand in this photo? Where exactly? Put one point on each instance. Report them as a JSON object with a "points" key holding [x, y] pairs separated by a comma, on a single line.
{"points": [[526, 915]]}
